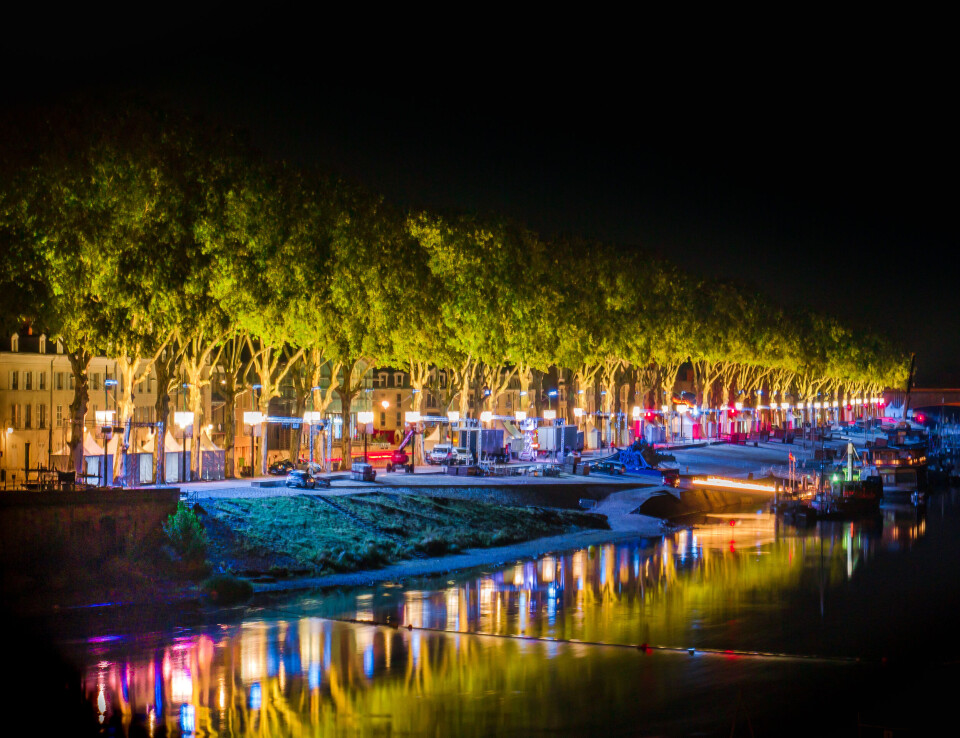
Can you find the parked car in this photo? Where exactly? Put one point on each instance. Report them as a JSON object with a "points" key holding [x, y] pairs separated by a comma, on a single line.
{"points": [[302, 480], [459, 455], [439, 453], [281, 467]]}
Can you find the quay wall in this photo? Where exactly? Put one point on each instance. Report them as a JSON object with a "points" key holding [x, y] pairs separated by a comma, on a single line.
{"points": [[38, 529], [693, 501]]}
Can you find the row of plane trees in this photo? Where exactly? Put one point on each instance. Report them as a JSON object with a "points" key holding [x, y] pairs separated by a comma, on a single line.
{"points": [[172, 246]]}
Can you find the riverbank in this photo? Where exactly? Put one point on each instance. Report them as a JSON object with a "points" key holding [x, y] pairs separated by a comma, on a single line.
{"points": [[365, 534], [318, 535]]}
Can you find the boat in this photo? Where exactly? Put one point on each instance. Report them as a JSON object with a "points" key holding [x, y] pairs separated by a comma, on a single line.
{"points": [[848, 500]]}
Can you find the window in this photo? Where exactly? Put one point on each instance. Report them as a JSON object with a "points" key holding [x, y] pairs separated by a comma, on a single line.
{"points": [[398, 379], [28, 380], [14, 343], [14, 380], [399, 422], [383, 419], [26, 416], [42, 377], [43, 416], [15, 415], [59, 415], [70, 381], [59, 381], [95, 381], [382, 379], [398, 399]]}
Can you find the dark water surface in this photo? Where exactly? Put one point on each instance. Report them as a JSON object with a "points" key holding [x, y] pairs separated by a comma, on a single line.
{"points": [[753, 625]]}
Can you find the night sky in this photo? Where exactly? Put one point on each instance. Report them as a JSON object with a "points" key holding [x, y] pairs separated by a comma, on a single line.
{"points": [[819, 172]]}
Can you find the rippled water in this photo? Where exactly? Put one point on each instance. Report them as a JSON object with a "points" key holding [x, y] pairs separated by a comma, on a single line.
{"points": [[732, 612]]}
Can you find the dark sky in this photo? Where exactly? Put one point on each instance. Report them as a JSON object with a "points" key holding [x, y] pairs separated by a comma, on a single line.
{"points": [[820, 172]]}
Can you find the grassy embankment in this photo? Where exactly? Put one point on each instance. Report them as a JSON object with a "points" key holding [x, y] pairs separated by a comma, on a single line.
{"points": [[305, 535]]}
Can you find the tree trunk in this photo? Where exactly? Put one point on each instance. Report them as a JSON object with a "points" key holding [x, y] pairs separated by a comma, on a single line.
{"points": [[162, 408], [79, 360], [346, 444], [296, 436], [196, 407], [127, 370], [537, 390], [229, 392]]}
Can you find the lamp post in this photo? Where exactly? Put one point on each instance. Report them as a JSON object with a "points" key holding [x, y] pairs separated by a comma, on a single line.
{"points": [[6, 446], [365, 417], [263, 439], [184, 419], [251, 419], [412, 417], [453, 416], [311, 418]]}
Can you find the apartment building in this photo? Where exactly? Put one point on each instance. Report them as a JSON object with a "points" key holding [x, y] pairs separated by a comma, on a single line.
{"points": [[36, 389]]}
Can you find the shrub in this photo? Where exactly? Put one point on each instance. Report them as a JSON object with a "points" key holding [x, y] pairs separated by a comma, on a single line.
{"points": [[186, 534], [227, 590]]}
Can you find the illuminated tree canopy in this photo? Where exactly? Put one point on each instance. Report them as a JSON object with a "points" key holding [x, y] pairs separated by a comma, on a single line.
{"points": [[129, 231]]}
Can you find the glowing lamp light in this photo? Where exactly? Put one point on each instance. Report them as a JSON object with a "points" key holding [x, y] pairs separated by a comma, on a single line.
{"points": [[682, 409], [9, 430], [385, 404], [453, 415], [183, 419], [412, 416], [578, 412], [520, 415], [547, 415], [738, 405], [785, 405], [800, 405], [636, 411], [732, 484], [773, 406], [105, 417], [836, 404], [312, 416], [816, 405], [365, 416], [663, 408], [250, 418]]}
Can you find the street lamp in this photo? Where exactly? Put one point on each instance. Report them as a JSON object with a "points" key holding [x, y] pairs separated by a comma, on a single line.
{"points": [[251, 419], [184, 419], [312, 418], [365, 417]]}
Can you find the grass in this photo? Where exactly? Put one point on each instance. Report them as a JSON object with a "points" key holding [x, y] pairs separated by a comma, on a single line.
{"points": [[305, 535]]}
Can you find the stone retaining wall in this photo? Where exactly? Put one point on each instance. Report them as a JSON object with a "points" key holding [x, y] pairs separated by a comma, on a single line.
{"points": [[40, 528]]}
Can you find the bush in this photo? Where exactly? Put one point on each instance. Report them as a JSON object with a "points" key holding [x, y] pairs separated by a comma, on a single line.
{"points": [[186, 534], [227, 590]]}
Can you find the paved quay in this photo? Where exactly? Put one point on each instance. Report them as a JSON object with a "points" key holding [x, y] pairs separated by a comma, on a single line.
{"points": [[692, 459]]}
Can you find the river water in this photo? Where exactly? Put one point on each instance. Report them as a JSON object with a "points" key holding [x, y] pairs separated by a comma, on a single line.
{"points": [[750, 625]]}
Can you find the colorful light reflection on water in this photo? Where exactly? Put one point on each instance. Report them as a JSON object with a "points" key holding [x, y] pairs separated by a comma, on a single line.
{"points": [[517, 649]]}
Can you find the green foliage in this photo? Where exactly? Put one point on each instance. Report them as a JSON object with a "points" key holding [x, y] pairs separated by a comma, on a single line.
{"points": [[122, 223], [186, 534]]}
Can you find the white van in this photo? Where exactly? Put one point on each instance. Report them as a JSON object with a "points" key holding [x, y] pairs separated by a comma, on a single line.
{"points": [[439, 453]]}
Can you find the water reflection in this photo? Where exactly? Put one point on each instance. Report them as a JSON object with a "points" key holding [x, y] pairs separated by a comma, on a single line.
{"points": [[741, 582]]}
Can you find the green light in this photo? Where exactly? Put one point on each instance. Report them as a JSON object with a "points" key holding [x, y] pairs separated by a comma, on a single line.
{"points": [[835, 478]]}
